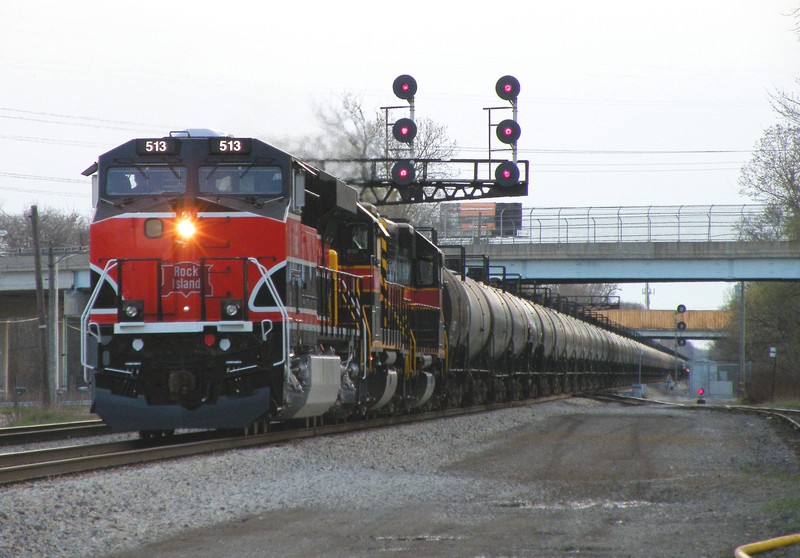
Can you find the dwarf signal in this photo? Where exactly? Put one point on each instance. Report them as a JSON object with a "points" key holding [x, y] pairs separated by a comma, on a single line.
{"points": [[701, 395]]}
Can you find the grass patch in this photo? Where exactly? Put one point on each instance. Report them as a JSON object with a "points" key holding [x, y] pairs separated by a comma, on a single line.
{"points": [[783, 507], [25, 416]]}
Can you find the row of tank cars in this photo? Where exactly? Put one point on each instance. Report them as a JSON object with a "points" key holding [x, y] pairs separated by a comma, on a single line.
{"points": [[540, 350]]}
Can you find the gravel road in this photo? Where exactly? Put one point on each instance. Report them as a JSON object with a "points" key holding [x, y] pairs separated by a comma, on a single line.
{"points": [[572, 478]]}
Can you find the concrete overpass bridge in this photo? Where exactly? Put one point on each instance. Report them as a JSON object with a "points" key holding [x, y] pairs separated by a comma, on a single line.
{"points": [[624, 244], [643, 262]]}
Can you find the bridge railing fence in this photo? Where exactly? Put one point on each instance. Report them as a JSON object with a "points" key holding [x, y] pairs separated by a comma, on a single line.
{"points": [[684, 223]]}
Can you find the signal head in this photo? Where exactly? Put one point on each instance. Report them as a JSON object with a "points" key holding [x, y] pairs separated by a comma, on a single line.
{"points": [[405, 87], [403, 173], [404, 130], [507, 88], [506, 174], [508, 131]]}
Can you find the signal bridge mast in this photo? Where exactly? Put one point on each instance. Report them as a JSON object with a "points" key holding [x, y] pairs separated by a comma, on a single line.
{"points": [[413, 180]]}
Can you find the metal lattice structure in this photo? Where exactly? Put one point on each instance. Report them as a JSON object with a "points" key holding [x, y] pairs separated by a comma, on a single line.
{"points": [[436, 180]]}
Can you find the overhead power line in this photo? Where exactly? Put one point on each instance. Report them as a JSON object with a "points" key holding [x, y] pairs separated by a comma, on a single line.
{"points": [[619, 151], [46, 192], [54, 141], [75, 120], [45, 178]]}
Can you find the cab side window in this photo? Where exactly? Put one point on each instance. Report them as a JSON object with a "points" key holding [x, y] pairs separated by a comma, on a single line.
{"points": [[358, 245]]}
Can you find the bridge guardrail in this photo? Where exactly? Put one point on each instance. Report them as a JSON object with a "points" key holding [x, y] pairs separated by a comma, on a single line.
{"points": [[684, 223]]}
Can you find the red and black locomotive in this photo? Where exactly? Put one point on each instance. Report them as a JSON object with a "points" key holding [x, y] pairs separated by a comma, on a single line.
{"points": [[235, 284]]}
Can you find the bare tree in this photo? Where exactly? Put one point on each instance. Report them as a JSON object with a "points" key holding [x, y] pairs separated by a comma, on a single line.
{"points": [[772, 177], [61, 228], [587, 293], [351, 133], [348, 132], [787, 104]]}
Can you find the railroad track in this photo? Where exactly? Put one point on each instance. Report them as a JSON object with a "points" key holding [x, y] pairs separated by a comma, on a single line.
{"points": [[38, 464], [789, 416], [46, 432]]}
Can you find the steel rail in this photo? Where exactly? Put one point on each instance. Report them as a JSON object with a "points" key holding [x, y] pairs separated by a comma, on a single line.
{"points": [[46, 432], [38, 464], [789, 416]]}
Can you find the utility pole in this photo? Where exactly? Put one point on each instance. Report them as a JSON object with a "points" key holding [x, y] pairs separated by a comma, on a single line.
{"points": [[742, 372], [52, 323], [43, 352]]}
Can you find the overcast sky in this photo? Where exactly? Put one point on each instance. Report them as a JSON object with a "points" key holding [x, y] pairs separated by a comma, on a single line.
{"points": [[677, 91]]}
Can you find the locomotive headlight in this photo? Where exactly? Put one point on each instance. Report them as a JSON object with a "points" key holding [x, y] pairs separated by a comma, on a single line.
{"points": [[186, 228], [231, 309], [132, 311]]}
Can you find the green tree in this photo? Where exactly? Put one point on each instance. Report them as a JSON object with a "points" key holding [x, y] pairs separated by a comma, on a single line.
{"points": [[771, 310], [772, 178]]}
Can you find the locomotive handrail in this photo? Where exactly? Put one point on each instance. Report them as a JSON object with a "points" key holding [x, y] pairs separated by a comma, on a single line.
{"points": [[284, 314], [112, 263]]}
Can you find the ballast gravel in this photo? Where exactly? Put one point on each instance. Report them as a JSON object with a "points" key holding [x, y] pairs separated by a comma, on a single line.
{"points": [[482, 486]]}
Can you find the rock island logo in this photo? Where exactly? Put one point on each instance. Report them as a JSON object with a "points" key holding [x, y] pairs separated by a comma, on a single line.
{"points": [[184, 278]]}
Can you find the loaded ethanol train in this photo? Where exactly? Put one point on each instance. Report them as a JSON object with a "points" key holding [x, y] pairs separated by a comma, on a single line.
{"points": [[234, 285]]}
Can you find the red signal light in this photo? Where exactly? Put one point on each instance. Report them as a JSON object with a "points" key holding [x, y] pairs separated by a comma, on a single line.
{"points": [[508, 131], [507, 88], [506, 174], [403, 173], [405, 87], [404, 130], [701, 392]]}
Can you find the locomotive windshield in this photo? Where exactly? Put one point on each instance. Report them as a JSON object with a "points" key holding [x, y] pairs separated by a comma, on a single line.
{"points": [[247, 180], [146, 181]]}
